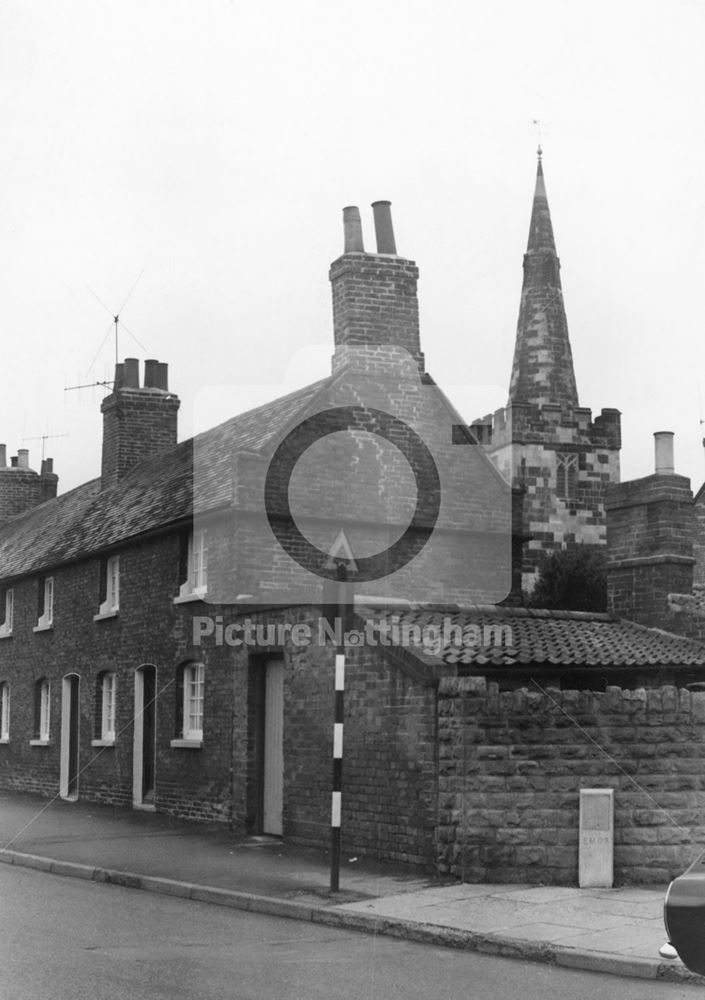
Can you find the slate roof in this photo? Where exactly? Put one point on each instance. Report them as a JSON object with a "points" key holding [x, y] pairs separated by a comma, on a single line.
{"points": [[536, 636], [156, 493]]}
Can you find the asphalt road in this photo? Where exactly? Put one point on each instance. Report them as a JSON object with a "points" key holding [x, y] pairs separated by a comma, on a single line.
{"points": [[64, 939]]}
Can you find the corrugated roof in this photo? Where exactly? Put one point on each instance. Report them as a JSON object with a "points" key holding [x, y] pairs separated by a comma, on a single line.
{"points": [[490, 635]]}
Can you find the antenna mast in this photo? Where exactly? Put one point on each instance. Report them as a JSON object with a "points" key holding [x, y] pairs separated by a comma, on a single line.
{"points": [[44, 438]]}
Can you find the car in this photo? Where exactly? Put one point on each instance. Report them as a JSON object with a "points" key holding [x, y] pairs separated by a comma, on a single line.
{"points": [[684, 915]]}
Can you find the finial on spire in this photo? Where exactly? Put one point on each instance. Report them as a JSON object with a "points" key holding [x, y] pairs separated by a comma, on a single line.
{"points": [[537, 123], [539, 151]]}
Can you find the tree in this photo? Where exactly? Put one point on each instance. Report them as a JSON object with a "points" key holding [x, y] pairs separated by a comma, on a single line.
{"points": [[572, 579]]}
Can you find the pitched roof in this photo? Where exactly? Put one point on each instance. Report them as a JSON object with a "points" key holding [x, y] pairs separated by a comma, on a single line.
{"points": [[155, 493], [502, 637]]}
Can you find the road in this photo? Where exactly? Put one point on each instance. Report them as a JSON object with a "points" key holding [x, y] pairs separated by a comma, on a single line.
{"points": [[64, 939]]}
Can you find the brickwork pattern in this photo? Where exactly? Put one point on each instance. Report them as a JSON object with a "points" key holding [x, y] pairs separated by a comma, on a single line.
{"points": [[389, 755], [511, 766], [650, 529], [21, 489], [149, 629], [375, 302], [137, 424]]}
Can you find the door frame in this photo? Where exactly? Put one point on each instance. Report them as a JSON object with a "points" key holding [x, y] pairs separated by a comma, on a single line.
{"points": [[255, 788], [138, 748], [69, 756], [273, 749]]}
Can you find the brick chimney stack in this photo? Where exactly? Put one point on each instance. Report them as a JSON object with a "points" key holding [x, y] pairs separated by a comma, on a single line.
{"points": [[20, 486], [375, 306], [139, 422], [650, 524]]}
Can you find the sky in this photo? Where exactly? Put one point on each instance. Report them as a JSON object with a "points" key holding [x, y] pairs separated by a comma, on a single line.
{"points": [[184, 164]]}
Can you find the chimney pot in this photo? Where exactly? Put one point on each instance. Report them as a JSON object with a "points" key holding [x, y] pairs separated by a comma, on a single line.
{"points": [[150, 373], [384, 230], [23, 458], [3, 456], [663, 448], [352, 225], [13, 462], [119, 377], [131, 373], [161, 378], [47, 466]]}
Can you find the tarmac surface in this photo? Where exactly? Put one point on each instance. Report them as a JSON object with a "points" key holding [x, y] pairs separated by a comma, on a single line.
{"points": [[616, 931]]}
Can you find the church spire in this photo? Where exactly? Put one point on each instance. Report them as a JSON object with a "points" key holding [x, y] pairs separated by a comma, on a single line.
{"points": [[543, 364]]}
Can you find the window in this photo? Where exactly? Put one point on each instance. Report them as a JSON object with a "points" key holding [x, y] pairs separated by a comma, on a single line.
{"points": [[566, 475], [7, 602], [4, 712], [42, 711], [110, 588], [45, 611], [105, 708], [194, 565], [189, 706]]}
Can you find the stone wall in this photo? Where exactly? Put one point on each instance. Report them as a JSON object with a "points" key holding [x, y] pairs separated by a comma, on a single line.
{"points": [[526, 443], [511, 766]]}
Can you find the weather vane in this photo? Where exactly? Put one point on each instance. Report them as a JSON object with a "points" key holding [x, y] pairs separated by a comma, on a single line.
{"points": [[537, 123]]}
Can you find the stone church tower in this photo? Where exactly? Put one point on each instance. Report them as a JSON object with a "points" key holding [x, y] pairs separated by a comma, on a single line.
{"points": [[543, 441]]}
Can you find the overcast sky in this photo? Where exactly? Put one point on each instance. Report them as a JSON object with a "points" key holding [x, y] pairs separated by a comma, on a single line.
{"points": [[210, 145]]}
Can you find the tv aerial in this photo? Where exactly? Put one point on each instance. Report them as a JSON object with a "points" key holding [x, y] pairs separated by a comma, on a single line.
{"points": [[115, 324], [44, 438]]}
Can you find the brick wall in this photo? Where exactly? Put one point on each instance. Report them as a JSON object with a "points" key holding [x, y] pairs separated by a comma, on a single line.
{"points": [[699, 539], [21, 489], [389, 755], [149, 629], [375, 303], [650, 530], [511, 766], [137, 424]]}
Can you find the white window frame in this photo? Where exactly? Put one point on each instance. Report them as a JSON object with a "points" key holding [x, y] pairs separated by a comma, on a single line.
{"points": [[44, 734], [46, 619], [6, 627], [108, 702], [196, 583], [193, 680], [4, 712], [111, 604]]}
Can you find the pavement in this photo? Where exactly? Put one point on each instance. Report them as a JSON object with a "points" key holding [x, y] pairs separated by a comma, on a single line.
{"points": [[616, 931]]}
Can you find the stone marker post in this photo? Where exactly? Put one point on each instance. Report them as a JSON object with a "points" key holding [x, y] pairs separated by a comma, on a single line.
{"points": [[596, 858]]}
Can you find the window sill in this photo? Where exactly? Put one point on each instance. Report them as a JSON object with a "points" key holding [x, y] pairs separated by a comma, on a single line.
{"points": [[103, 743], [194, 595], [44, 628], [103, 615], [5, 739], [40, 743], [186, 744], [6, 635]]}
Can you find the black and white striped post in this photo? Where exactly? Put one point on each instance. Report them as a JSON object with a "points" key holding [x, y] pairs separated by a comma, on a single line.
{"points": [[337, 792]]}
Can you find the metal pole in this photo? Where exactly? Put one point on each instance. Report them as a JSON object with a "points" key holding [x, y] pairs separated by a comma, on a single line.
{"points": [[336, 796]]}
